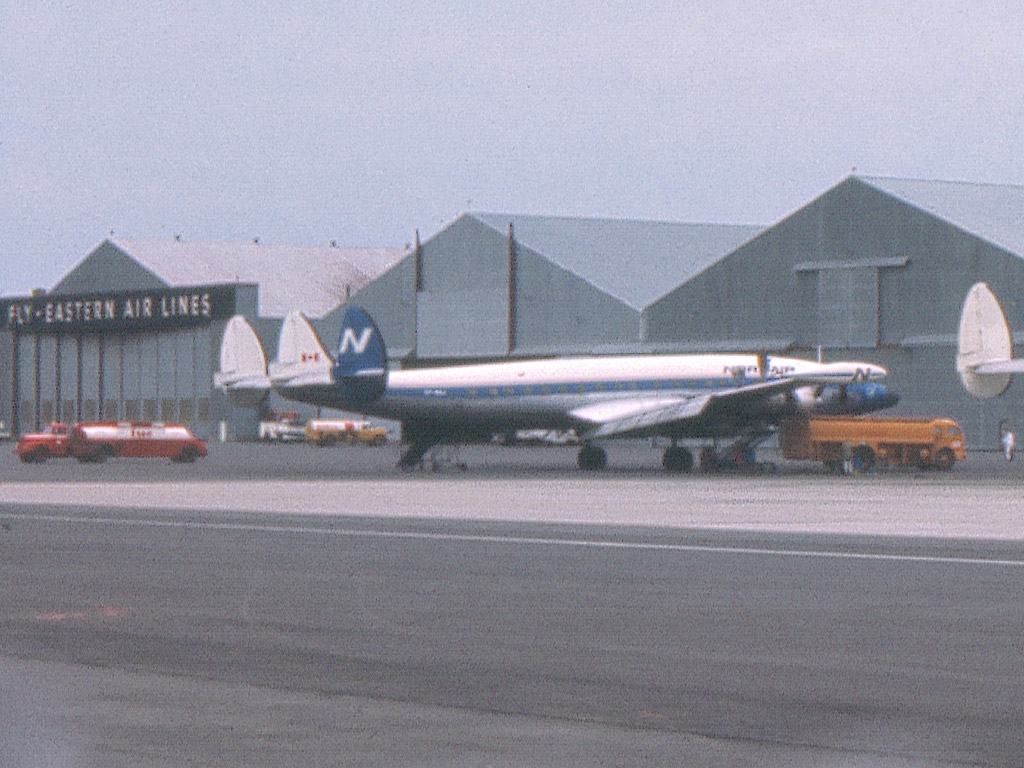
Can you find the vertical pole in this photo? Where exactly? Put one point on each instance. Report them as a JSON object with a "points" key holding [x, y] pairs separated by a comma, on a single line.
{"points": [[15, 383], [79, 389], [418, 265], [58, 391], [120, 375], [38, 384], [417, 286], [512, 268], [100, 338]]}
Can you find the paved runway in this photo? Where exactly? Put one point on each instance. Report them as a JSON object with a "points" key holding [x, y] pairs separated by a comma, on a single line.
{"points": [[979, 499], [141, 633]]}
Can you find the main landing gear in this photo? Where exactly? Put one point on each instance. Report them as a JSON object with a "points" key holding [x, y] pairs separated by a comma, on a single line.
{"points": [[591, 458], [676, 459], [413, 455], [740, 456], [432, 456]]}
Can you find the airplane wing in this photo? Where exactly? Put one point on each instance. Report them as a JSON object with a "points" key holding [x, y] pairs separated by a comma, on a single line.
{"points": [[646, 417]]}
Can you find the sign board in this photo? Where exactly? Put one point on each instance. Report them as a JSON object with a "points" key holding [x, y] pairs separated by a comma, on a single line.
{"points": [[118, 311]]}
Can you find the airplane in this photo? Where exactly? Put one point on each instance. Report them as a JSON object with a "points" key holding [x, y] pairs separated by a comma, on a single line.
{"points": [[677, 397], [984, 357]]}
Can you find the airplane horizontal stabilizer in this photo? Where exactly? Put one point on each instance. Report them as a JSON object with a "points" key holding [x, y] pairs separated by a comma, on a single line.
{"points": [[1014, 365], [984, 347], [243, 365]]}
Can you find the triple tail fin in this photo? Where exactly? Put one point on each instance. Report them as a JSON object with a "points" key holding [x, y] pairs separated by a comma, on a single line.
{"points": [[243, 365], [984, 347]]}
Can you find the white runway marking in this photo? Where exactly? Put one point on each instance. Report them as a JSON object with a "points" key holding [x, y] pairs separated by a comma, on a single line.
{"points": [[506, 539]]}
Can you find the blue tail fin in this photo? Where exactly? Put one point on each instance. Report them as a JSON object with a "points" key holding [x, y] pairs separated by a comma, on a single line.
{"points": [[360, 368]]}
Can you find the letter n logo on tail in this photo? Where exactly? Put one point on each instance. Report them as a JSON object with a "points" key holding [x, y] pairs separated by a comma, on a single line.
{"points": [[360, 371], [353, 343]]}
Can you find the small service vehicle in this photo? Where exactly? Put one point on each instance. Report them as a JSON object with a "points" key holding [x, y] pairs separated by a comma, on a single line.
{"points": [[52, 442], [98, 442], [326, 432], [282, 426], [858, 443]]}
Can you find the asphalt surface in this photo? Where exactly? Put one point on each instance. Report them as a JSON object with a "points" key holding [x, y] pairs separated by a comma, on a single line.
{"points": [[301, 461], [437, 629]]}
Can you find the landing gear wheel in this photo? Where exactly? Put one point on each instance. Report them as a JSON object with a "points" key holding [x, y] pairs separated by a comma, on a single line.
{"points": [[592, 458], [945, 459], [677, 459]]}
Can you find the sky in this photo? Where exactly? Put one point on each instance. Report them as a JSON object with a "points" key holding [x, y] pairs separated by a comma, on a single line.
{"points": [[366, 121]]}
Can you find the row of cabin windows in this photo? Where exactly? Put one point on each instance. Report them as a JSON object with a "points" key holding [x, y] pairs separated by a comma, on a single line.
{"points": [[578, 387]]}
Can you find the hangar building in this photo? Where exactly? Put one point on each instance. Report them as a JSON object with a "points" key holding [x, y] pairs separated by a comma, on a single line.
{"points": [[873, 268], [133, 331], [495, 285]]}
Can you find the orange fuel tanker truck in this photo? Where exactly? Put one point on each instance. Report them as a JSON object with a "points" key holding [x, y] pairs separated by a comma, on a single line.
{"points": [[858, 443]]}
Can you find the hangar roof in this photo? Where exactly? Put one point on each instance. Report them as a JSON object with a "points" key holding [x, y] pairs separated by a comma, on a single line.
{"points": [[994, 212], [635, 261], [313, 279]]}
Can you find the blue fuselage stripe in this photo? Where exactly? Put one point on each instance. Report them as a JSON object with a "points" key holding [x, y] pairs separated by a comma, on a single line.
{"points": [[590, 387]]}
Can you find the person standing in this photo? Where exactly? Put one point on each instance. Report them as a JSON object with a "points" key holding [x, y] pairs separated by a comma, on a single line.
{"points": [[1008, 441]]}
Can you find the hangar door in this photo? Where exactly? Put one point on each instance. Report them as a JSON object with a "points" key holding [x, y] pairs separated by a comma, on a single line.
{"points": [[163, 376], [847, 311], [462, 324]]}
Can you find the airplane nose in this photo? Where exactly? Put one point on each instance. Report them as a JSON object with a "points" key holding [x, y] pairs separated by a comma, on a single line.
{"points": [[863, 397], [876, 372], [875, 397]]}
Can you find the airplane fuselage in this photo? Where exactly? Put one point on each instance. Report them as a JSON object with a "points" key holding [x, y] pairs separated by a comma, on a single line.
{"points": [[534, 394], [673, 396]]}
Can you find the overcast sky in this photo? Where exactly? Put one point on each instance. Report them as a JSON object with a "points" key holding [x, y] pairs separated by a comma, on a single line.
{"points": [[362, 122]]}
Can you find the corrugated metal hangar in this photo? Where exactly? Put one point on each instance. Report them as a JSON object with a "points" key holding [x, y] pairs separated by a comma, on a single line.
{"points": [[873, 268], [133, 331]]}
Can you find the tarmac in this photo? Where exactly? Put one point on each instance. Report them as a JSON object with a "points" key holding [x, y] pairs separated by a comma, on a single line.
{"points": [[980, 498]]}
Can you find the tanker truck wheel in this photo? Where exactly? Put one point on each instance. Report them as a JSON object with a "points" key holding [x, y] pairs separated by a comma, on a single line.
{"points": [[945, 459], [187, 456]]}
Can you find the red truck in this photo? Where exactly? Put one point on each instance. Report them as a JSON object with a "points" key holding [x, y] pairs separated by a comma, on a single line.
{"points": [[98, 442], [40, 446]]}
